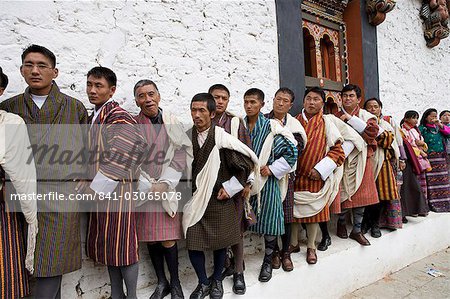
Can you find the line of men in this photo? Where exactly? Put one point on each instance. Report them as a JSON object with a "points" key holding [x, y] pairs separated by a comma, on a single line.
{"points": [[262, 173]]}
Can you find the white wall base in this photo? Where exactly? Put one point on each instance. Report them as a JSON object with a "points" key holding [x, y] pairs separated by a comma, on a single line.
{"points": [[343, 268], [347, 266]]}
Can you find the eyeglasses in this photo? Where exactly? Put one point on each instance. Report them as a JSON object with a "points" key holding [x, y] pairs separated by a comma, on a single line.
{"points": [[40, 66]]}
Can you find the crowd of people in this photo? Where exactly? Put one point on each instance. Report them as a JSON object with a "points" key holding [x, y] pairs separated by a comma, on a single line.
{"points": [[263, 173]]}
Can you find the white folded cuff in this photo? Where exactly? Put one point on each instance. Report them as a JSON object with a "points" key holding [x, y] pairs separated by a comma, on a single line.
{"points": [[280, 168], [348, 147], [325, 167], [103, 184], [358, 124], [232, 186], [144, 185], [171, 177], [251, 178], [380, 131]]}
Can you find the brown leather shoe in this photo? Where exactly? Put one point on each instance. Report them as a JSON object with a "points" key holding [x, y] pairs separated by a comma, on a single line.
{"points": [[359, 237], [311, 256], [276, 262], [286, 262], [294, 249], [342, 230]]}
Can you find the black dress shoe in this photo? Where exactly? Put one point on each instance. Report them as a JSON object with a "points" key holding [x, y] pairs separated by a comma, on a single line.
{"points": [[176, 292], [266, 272], [404, 220], [216, 291], [200, 292], [239, 284], [161, 291], [375, 231], [323, 245]]}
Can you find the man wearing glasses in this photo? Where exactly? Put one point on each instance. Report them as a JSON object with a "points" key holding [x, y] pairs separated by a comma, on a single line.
{"points": [[366, 125], [45, 109]]}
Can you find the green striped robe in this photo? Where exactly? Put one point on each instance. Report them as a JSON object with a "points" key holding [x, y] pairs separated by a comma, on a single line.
{"points": [[271, 218]]}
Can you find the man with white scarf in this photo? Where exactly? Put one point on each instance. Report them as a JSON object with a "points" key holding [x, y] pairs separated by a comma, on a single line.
{"points": [[277, 151], [319, 170], [220, 170], [366, 125], [158, 222], [282, 103]]}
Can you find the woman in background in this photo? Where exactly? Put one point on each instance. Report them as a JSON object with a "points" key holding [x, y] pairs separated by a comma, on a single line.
{"points": [[434, 134], [414, 188]]}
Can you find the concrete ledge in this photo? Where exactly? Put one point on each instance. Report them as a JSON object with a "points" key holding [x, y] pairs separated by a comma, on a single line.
{"points": [[347, 266], [343, 268]]}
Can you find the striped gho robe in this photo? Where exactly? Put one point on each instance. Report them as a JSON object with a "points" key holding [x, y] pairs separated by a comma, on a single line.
{"points": [[388, 192], [385, 181], [58, 123], [314, 152], [367, 192], [288, 203], [153, 223], [112, 237], [224, 121], [270, 217]]}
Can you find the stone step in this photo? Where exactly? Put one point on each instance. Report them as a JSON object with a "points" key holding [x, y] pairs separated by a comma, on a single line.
{"points": [[343, 268]]}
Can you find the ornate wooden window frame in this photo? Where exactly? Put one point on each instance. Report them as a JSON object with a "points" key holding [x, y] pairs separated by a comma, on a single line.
{"points": [[324, 82]]}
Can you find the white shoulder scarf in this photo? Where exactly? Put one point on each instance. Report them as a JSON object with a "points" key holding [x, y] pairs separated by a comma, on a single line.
{"points": [[14, 153], [355, 163], [195, 208], [177, 140], [275, 129]]}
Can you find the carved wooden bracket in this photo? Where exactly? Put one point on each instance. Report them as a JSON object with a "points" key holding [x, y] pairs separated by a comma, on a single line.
{"points": [[377, 10], [434, 14]]}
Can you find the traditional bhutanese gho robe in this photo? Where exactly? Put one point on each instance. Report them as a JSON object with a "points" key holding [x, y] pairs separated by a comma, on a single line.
{"points": [[220, 160], [16, 250], [154, 223], [268, 204], [118, 147], [57, 124], [365, 124], [300, 136], [387, 154], [324, 153], [438, 178], [235, 126]]}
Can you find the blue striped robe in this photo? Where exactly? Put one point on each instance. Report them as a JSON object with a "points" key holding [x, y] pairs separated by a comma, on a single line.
{"points": [[271, 217]]}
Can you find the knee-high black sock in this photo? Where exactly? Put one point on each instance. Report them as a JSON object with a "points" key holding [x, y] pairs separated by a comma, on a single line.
{"points": [[156, 252], [269, 244], [171, 255], [324, 229], [198, 262], [219, 262], [286, 238]]}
